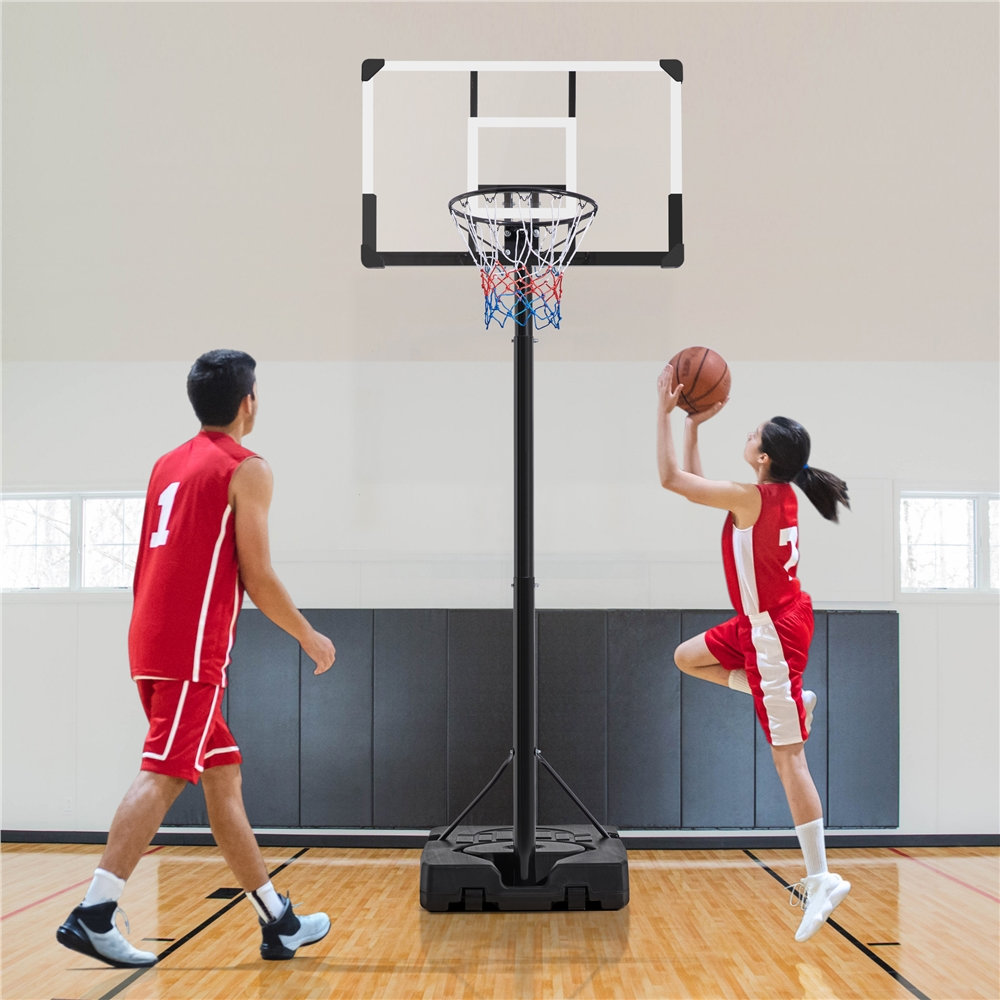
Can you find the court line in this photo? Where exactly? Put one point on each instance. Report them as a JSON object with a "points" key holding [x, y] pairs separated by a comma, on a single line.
{"points": [[129, 980], [951, 878], [75, 885], [863, 948]]}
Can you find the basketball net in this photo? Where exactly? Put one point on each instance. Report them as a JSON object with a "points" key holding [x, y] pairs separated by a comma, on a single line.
{"points": [[523, 239]]}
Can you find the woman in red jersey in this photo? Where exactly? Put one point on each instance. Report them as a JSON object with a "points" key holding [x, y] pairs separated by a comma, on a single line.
{"points": [[764, 649]]}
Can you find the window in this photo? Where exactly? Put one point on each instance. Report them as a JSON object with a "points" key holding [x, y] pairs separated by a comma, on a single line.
{"points": [[36, 542], [994, 529], [69, 541], [111, 528], [949, 541]]}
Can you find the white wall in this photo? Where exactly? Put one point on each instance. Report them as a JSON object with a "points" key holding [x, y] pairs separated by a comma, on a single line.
{"points": [[394, 489], [394, 482], [179, 177]]}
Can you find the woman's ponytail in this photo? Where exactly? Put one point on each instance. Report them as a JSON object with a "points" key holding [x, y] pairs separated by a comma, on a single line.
{"points": [[824, 490], [787, 444]]}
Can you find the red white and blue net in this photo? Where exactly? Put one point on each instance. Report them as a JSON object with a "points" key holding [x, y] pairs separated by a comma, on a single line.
{"points": [[523, 240]]}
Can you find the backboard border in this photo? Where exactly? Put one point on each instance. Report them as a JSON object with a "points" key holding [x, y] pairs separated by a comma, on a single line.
{"points": [[373, 258]]}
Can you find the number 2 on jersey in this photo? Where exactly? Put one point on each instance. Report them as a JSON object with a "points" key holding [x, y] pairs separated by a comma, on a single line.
{"points": [[166, 502], [790, 536]]}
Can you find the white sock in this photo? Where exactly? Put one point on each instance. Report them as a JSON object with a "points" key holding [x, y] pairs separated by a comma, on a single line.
{"points": [[813, 845], [266, 901], [105, 888], [738, 681]]}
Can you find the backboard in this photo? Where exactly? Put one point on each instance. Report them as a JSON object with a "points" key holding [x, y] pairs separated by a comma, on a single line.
{"points": [[609, 130]]}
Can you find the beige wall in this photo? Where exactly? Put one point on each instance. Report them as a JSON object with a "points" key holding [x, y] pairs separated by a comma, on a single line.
{"points": [[183, 174]]}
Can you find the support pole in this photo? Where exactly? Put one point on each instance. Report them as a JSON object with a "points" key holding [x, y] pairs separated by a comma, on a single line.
{"points": [[525, 631]]}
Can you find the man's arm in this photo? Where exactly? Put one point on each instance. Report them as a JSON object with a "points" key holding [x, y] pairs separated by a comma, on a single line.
{"points": [[250, 496]]}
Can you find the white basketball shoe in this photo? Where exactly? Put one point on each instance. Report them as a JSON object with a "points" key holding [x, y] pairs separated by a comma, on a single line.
{"points": [[289, 932], [818, 895], [91, 931]]}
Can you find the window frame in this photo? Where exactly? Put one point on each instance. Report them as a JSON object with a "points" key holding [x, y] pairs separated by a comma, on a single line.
{"points": [[980, 494], [76, 539]]}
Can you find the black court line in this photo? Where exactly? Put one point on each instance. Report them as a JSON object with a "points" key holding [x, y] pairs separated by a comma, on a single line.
{"points": [[863, 948], [225, 894], [129, 980]]}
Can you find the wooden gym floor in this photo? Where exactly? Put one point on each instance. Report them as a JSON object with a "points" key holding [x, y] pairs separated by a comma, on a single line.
{"points": [[920, 922]]}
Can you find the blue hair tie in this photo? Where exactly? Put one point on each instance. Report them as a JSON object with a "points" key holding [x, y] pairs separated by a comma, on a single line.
{"points": [[804, 467]]}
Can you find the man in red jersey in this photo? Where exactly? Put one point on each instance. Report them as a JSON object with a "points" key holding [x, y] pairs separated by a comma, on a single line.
{"points": [[204, 542]]}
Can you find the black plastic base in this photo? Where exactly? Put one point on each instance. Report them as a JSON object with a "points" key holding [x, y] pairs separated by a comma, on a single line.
{"points": [[575, 868]]}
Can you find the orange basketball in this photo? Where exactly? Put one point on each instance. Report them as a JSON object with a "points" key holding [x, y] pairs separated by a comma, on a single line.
{"points": [[704, 375]]}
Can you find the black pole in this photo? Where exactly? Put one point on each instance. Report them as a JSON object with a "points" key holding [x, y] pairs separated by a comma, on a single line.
{"points": [[525, 633]]}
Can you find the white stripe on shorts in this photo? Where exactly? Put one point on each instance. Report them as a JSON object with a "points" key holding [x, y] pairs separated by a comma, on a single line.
{"points": [[173, 728], [199, 758], [775, 684]]}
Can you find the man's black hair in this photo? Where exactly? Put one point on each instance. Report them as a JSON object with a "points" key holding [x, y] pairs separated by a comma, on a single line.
{"points": [[217, 384]]}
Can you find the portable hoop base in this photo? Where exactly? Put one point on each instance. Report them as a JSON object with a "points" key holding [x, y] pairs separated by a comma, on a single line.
{"points": [[475, 870]]}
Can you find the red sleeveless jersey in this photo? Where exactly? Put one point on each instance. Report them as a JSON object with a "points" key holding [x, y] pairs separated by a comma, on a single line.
{"points": [[761, 562], [187, 585]]}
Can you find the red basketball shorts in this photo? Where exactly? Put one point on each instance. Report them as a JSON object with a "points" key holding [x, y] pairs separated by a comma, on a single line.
{"points": [[187, 732], [774, 652]]}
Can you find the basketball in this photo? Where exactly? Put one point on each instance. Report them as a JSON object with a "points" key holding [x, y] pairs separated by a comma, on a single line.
{"points": [[704, 375]]}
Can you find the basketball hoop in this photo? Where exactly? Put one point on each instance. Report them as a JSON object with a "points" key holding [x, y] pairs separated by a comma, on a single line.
{"points": [[523, 238]]}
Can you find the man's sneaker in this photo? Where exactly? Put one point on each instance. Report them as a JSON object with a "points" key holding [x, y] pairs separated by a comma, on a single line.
{"points": [[289, 932], [91, 931], [809, 704], [818, 895]]}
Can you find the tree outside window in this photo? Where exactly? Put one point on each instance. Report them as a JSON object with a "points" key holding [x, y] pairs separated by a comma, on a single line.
{"points": [[111, 527], [948, 541], [69, 541], [35, 543]]}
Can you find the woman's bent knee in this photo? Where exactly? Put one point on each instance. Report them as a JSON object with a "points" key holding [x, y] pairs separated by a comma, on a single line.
{"points": [[692, 654]]}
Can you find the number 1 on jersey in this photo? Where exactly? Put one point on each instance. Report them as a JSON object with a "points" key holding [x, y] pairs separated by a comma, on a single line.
{"points": [[166, 502]]}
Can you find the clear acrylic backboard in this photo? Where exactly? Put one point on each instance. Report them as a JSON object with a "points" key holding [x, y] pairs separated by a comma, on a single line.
{"points": [[610, 130]]}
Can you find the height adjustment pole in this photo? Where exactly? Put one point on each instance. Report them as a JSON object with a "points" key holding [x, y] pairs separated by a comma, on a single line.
{"points": [[525, 627], [525, 630]]}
